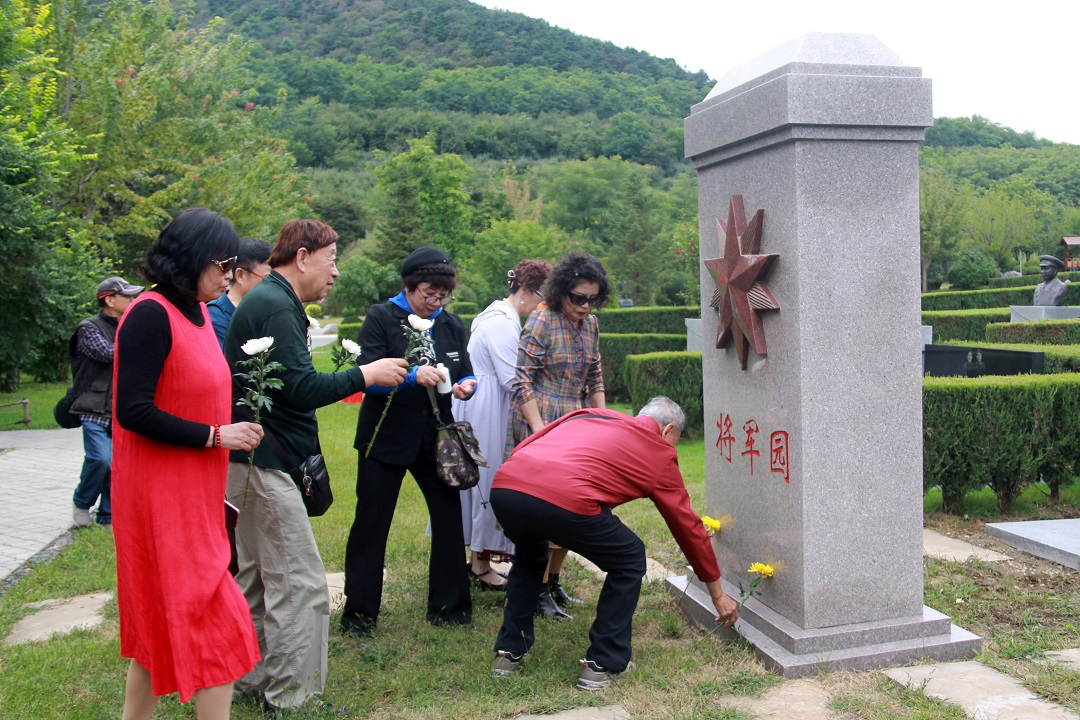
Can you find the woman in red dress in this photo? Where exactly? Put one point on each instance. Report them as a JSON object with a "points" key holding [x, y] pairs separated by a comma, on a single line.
{"points": [[183, 621]]}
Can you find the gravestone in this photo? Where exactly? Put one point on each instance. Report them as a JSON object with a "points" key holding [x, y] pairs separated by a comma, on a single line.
{"points": [[813, 411]]}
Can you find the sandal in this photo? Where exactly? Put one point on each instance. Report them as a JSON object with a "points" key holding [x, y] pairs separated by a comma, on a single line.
{"points": [[479, 581]]}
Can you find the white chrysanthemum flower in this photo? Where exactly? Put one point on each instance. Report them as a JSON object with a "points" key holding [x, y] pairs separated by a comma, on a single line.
{"points": [[419, 323], [257, 345], [313, 323], [351, 347]]}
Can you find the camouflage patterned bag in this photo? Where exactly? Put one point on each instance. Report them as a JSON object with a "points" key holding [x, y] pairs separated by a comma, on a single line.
{"points": [[457, 452]]}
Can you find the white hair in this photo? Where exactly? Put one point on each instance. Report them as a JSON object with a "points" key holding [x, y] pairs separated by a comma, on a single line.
{"points": [[665, 411]]}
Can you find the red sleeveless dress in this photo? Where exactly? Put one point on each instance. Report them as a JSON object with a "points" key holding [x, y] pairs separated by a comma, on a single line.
{"points": [[182, 616]]}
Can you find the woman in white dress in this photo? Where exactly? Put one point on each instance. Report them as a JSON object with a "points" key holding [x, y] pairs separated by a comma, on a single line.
{"points": [[493, 349]]}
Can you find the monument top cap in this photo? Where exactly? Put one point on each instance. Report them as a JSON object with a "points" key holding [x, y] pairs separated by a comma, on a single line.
{"points": [[816, 48]]}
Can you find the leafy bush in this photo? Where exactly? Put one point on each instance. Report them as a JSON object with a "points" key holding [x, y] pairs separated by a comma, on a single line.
{"points": [[998, 431], [615, 347], [363, 283], [348, 330], [1026, 280], [314, 310], [958, 325], [648, 319], [1044, 332], [464, 306], [982, 299], [974, 269], [674, 374]]}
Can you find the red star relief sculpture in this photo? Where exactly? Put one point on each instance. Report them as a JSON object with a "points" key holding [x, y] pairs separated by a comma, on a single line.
{"points": [[740, 293]]}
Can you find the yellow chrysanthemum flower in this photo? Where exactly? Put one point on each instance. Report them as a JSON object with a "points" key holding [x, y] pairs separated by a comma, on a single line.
{"points": [[712, 524], [762, 569]]}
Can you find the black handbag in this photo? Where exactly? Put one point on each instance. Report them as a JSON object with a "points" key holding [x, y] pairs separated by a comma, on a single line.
{"points": [[311, 478], [457, 451], [62, 411]]}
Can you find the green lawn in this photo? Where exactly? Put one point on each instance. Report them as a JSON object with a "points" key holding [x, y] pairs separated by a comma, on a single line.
{"points": [[411, 670]]}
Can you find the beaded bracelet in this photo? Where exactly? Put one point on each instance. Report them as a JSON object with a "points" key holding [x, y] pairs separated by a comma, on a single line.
{"points": [[216, 442]]}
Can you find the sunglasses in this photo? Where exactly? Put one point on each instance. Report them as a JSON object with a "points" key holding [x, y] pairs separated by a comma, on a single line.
{"points": [[225, 265], [582, 300], [539, 294]]}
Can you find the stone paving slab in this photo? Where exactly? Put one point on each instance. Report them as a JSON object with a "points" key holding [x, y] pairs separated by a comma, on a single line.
{"points": [[942, 546], [1068, 658], [59, 617], [1054, 540], [983, 693], [609, 712], [803, 699], [653, 569]]}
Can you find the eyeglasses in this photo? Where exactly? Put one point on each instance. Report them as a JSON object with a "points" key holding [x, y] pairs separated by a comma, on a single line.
{"points": [[225, 265], [582, 300], [539, 294], [443, 300], [252, 272]]}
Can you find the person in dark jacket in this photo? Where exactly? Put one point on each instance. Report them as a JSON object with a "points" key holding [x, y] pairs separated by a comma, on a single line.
{"points": [[281, 571], [91, 351], [405, 440]]}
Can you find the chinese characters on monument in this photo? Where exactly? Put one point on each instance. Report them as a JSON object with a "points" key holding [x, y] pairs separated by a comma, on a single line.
{"points": [[778, 446]]}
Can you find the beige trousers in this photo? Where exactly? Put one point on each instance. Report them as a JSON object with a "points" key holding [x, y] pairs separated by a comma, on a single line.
{"points": [[282, 577]]}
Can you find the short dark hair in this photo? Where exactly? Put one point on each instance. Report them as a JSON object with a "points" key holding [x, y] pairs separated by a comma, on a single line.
{"points": [[252, 253], [311, 235], [528, 274], [195, 238], [571, 270]]}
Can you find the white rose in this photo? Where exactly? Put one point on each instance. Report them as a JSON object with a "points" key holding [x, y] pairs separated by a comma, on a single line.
{"points": [[257, 345], [312, 323], [419, 323], [351, 347]]}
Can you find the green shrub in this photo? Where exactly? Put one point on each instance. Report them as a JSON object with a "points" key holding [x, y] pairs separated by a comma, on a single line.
{"points": [[976, 299], [954, 325], [1043, 332], [997, 431], [614, 347], [667, 320], [974, 269], [464, 306], [1026, 280], [674, 374], [467, 319], [314, 310], [348, 330]]}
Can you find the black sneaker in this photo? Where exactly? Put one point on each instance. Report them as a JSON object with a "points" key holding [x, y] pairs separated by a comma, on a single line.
{"points": [[507, 663]]}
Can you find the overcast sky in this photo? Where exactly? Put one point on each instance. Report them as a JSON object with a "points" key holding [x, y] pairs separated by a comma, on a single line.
{"points": [[1017, 64]]}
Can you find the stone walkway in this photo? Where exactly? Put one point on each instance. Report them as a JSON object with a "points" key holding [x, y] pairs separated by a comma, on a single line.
{"points": [[39, 470]]}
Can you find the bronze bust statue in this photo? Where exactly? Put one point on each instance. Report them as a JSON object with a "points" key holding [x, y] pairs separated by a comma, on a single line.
{"points": [[1051, 290]]}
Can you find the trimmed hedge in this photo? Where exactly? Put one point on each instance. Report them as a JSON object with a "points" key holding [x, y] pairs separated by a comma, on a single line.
{"points": [[980, 299], [998, 431], [615, 347], [1032, 279], [676, 375], [1043, 332], [348, 330], [666, 320], [466, 307], [954, 325]]}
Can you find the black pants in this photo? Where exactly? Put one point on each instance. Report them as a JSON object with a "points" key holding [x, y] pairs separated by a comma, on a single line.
{"points": [[377, 488], [603, 539]]}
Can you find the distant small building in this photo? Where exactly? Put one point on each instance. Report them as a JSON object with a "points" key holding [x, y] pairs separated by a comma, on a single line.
{"points": [[1071, 244]]}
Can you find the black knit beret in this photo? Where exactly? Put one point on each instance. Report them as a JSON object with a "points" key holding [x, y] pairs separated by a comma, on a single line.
{"points": [[423, 257]]}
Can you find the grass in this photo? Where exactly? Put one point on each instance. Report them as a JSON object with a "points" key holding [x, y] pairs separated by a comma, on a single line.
{"points": [[42, 397], [410, 670]]}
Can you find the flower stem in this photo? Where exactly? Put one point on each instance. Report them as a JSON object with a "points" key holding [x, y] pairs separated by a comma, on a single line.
{"points": [[375, 433]]}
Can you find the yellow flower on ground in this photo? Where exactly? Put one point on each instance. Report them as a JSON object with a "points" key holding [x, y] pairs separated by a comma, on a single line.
{"points": [[712, 524], [762, 569]]}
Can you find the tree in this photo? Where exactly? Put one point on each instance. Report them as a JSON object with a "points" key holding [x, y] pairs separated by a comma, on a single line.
{"points": [[501, 247], [363, 282], [423, 202], [942, 204], [635, 249], [1011, 219]]}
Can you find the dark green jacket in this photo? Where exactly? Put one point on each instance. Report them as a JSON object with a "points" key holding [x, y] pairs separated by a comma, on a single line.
{"points": [[272, 309]]}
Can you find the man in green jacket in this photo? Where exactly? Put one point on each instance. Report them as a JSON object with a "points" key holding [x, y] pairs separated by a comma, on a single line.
{"points": [[281, 572]]}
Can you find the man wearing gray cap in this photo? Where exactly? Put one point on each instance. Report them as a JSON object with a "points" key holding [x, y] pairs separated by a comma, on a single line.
{"points": [[91, 353], [1051, 290]]}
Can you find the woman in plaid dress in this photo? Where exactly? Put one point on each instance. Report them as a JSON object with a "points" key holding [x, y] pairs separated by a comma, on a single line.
{"points": [[558, 371]]}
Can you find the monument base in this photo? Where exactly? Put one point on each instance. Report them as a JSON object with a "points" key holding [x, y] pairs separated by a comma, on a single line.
{"points": [[1035, 313], [795, 652]]}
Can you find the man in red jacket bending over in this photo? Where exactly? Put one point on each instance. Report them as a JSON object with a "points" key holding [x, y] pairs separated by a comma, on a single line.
{"points": [[559, 485]]}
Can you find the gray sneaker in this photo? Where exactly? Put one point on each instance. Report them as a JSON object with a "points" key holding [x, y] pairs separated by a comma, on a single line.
{"points": [[81, 517], [506, 663], [594, 678]]}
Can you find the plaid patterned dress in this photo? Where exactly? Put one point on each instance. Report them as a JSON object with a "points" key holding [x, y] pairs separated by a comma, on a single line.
{"points": [[558, 365]]}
